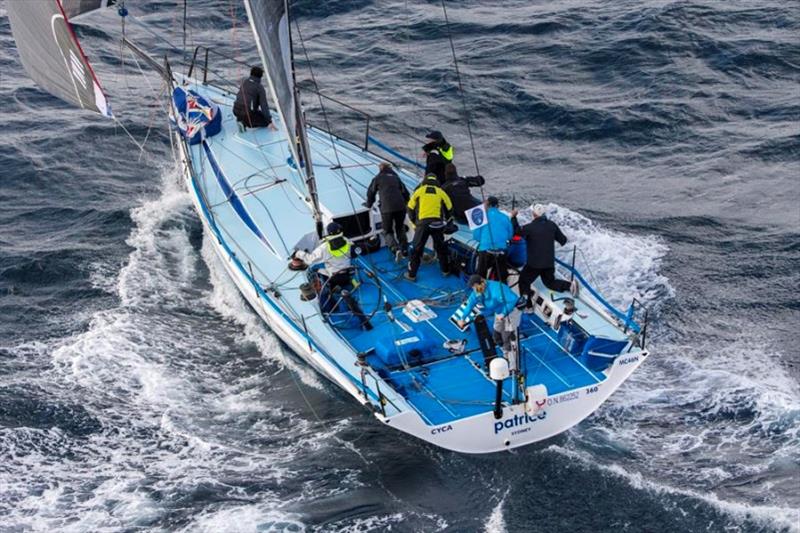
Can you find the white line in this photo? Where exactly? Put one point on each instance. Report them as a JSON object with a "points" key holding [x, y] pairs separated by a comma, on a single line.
{"points": [[568, 354]]}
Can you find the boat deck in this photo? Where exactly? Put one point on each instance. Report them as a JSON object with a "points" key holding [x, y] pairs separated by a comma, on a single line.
{"points": [[256, 199], [448, 387]]}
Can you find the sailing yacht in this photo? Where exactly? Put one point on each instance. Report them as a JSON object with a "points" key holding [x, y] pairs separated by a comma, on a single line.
{"points": [[261, 194]]}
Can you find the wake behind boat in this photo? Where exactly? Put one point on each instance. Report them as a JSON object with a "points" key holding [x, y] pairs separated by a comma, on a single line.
{"points": [[263, 194]]}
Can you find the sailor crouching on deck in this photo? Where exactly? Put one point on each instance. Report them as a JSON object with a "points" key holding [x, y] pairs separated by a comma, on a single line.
{"points": [[335, 252], [251, 107], [499, 300]]}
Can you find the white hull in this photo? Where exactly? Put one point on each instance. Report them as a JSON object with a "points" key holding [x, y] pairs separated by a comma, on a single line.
{"points": [[478, 434]]}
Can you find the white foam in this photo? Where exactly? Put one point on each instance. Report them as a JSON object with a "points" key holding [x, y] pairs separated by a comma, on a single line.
{"points": [[728, 408], [170, 417], [496, 523], [227, 301], [778, 517], [162, 263], [620, 265], [261, 517], [387, 522]]}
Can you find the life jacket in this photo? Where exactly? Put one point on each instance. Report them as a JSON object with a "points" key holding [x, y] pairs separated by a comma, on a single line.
{"points": [[446, 154], [338, 245]]}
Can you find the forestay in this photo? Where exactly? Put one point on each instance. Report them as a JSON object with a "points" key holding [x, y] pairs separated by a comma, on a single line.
{"points": [[51, 54]]}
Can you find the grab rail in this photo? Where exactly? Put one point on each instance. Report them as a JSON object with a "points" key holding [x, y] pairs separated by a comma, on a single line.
{"points": [[626, 319], [233, 86]]}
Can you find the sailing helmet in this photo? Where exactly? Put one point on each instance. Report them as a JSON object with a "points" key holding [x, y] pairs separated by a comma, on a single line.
{"points": [[334, 228]]}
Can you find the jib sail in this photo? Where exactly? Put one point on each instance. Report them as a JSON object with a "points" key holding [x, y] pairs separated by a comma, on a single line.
{"points": [[50, 51]]}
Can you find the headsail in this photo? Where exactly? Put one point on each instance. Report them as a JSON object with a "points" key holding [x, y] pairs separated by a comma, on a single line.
{"points": [[51, 54]]}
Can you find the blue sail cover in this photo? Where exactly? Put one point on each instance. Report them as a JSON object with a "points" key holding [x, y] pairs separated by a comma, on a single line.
{"points": [[197, 117], [51, 53]]}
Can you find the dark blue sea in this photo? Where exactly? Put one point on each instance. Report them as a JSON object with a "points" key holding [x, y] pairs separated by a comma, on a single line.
{"points": [[138, 392]]}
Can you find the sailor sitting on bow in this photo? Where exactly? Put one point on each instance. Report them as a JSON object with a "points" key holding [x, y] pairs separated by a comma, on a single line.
{"points": [[334, 253]]}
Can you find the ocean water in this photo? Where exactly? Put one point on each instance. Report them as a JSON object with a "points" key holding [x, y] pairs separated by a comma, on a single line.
{"points": [[138, 392]]}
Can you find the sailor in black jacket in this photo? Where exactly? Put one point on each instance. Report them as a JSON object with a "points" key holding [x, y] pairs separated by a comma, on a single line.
{"points": [[251, 107], [393, 196], [457, 188], [540, 237], [437, 153]]}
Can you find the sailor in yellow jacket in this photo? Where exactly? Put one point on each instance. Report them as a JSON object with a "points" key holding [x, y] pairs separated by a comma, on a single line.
{"points": [[429, 208]]}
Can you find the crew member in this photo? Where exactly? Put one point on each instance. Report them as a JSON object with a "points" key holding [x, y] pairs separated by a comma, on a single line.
{"points": [[496, 299], [493, 240], [393, 196], [540, 237], [437, 153], [335, 252], [251, 107], [429, 208], [457, 188]]}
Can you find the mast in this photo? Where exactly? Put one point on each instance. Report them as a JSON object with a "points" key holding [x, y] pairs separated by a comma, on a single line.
{"points": [[269, 20], [302, 138]]}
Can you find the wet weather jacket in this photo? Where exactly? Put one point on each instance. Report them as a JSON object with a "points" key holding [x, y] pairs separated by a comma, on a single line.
{"points": [[458, 190], [334, 251], [429, 202], [497, 299], [496, 233], [440, 153], [387, 186], [540, 237], [251, 99]]}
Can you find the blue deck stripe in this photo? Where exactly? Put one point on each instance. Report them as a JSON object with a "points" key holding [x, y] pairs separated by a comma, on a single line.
{"points": [[233, 198]]}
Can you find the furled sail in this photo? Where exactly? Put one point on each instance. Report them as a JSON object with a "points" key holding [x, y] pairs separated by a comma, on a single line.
{"points": [[50, 51]]}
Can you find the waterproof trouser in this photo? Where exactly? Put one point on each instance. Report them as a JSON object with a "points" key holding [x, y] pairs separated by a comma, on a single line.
{"points": [[343, 282], [252, 119], [505, 334], [433, 228], [394, 230], [529, 275], [494, 260]]}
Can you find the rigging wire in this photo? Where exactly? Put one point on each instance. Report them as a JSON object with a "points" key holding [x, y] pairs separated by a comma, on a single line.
{"points": [[467, 118], [342, 172], [461, 89]]}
